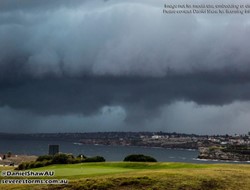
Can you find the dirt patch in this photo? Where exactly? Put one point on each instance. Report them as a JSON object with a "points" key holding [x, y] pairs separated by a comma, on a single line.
{"points": [[17, 159]]}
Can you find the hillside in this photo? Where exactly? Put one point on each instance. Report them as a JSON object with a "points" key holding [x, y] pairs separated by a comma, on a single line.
{"points": [[157, 176]]}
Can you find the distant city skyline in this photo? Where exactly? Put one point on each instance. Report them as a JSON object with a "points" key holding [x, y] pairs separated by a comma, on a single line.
{"points": [[116, 65]]}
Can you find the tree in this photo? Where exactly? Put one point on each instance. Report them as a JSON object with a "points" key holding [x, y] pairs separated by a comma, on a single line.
{"points": [[9, 154], [44, 158], [62, 159]]}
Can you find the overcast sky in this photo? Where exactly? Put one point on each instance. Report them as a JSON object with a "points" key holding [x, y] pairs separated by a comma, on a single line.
{"points": [[122, 65]]}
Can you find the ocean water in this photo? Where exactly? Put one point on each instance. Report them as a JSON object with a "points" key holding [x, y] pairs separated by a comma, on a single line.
{"points": [[110, 153]]}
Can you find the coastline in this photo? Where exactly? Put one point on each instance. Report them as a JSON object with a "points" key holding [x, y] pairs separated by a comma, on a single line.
{"points": [[159, 147], [222, 154]]}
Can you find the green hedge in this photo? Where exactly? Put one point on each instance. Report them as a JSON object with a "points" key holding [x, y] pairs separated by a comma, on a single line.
{"points": [[139, 158]]}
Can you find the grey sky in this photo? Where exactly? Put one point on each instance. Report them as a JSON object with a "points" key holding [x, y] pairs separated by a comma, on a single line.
{"points": [[119, 65]]}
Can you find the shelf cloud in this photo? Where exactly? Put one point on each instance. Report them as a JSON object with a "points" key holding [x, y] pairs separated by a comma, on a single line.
{"points": [[75, 60]]}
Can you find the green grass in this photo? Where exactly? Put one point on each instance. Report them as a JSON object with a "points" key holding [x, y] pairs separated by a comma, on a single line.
{"points": [[74, 171], [146, 176], [84, 169]]}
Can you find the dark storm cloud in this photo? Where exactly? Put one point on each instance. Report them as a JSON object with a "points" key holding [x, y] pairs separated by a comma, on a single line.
{"points": [[27, 5], [118, 38], [87, 95], [66, 57]]}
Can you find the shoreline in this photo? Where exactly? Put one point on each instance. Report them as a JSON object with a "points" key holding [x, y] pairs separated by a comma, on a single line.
{"points": [[156, 147]]}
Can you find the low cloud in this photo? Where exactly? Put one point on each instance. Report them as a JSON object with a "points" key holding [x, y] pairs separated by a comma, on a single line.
{"points": [[189, 117]]}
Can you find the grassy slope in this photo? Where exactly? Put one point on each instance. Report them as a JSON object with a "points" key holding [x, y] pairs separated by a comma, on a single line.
{"points": [[141, 176]]}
